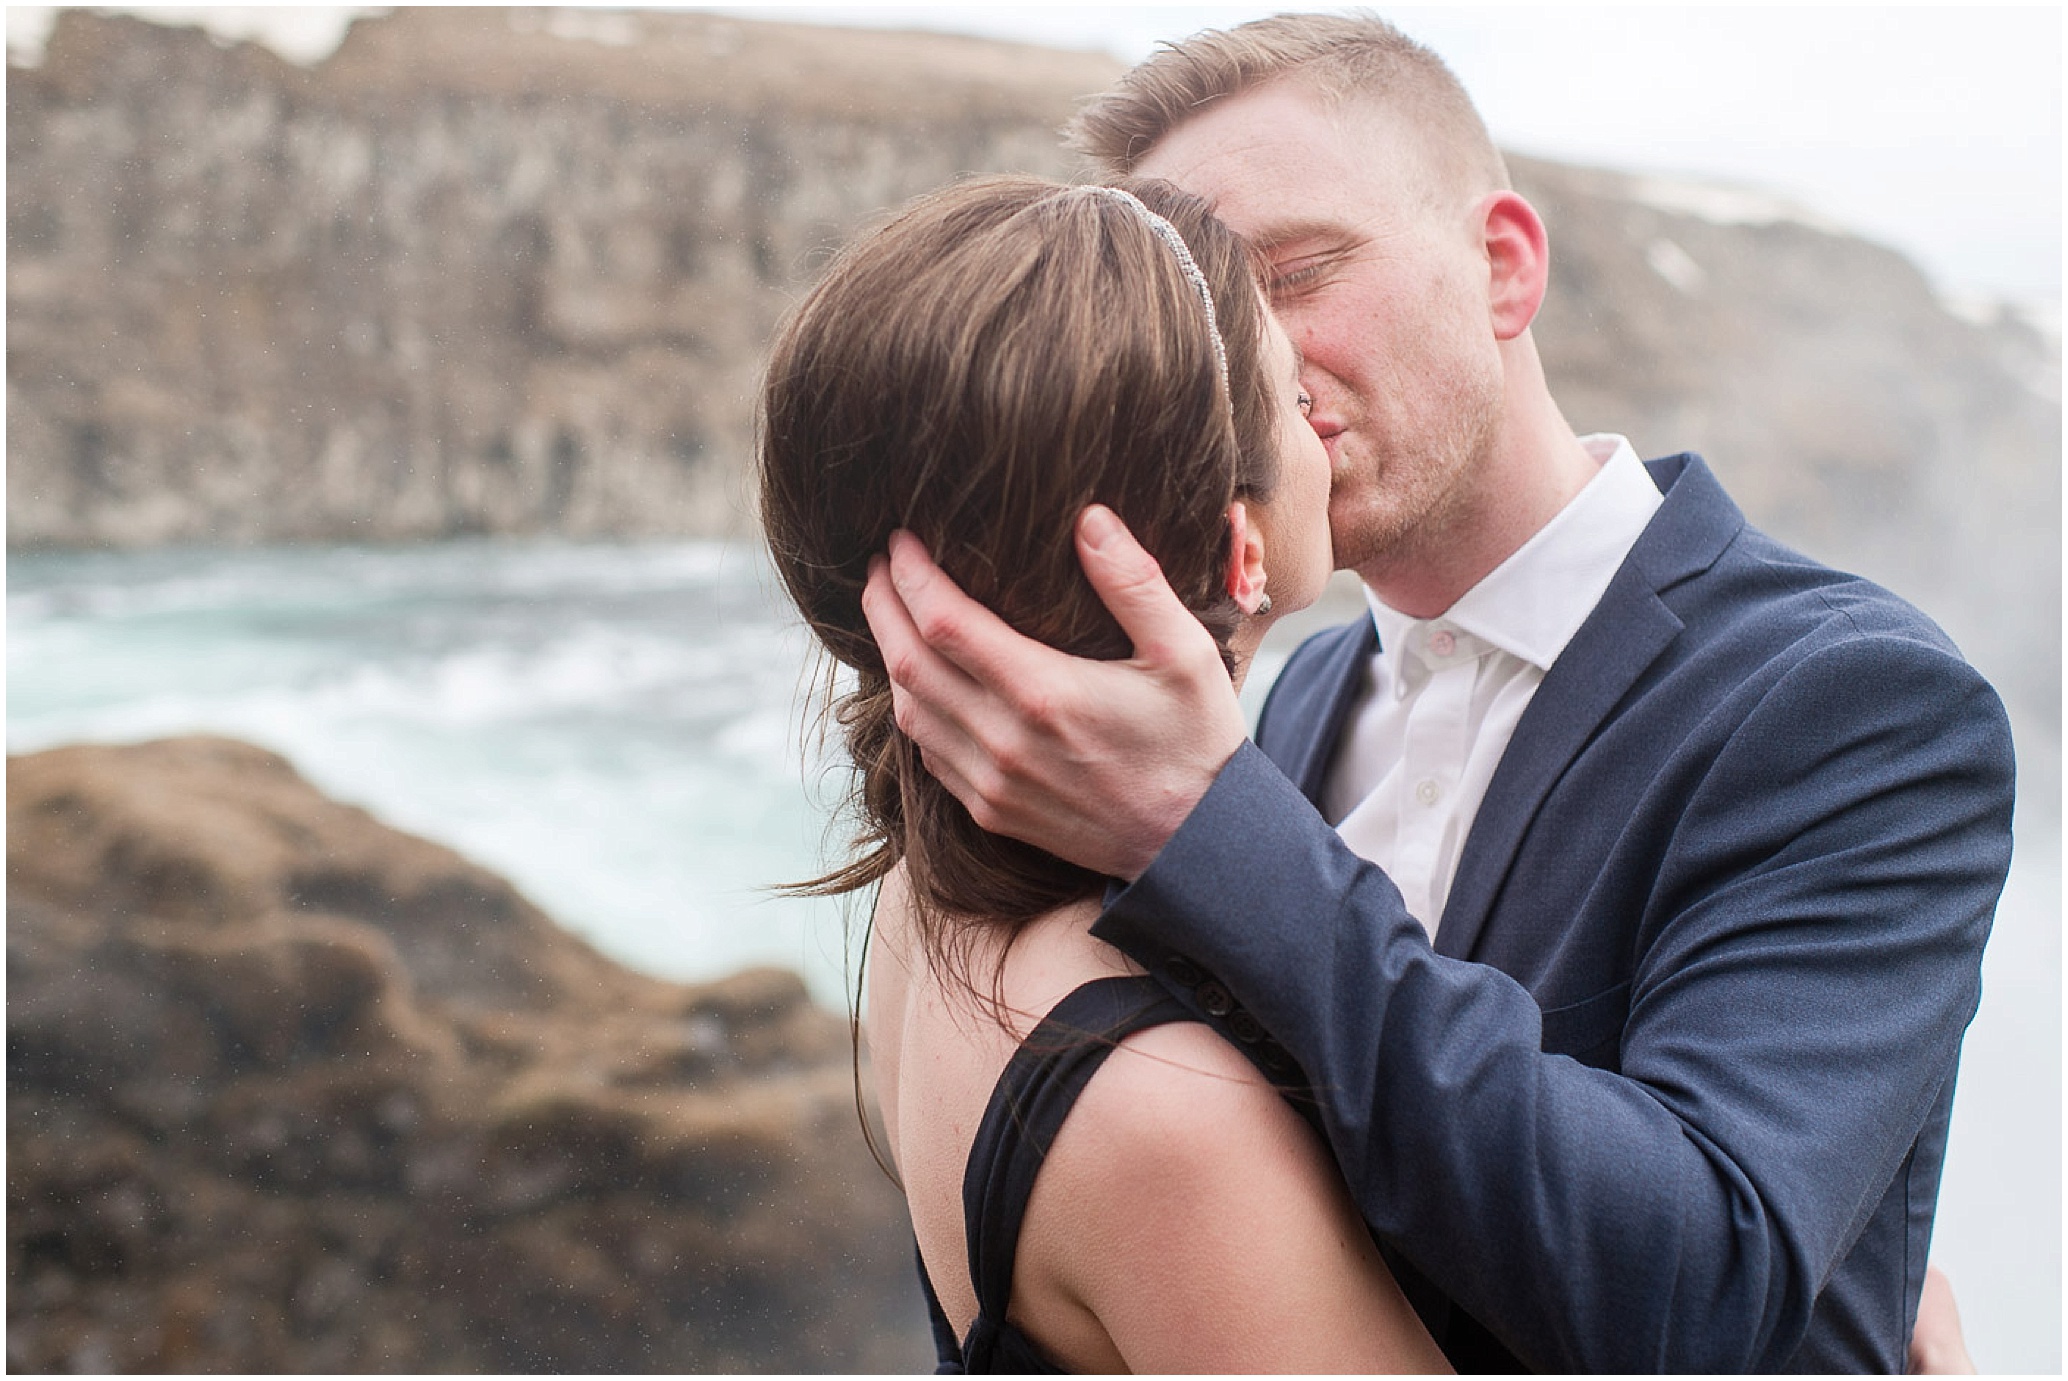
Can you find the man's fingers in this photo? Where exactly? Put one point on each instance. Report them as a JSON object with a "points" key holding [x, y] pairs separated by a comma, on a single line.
{"points": [[1131, 585], [940, 737], [980, 807], [913, 666], [930, 695], [988, 650]]}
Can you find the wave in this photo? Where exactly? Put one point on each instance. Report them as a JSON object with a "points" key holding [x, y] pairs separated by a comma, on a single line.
{"points": [[46, 586]]}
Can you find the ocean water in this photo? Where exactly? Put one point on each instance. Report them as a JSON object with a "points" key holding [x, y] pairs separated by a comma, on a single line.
{"points": [[612, 728], [623, 731]]}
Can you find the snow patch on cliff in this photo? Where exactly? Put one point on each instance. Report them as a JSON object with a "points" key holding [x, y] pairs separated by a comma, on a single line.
{"points": [[1723, 204]]}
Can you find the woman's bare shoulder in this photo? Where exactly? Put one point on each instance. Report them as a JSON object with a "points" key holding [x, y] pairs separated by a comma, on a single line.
{"points": [[1188, 1208], [1178, 1097]]}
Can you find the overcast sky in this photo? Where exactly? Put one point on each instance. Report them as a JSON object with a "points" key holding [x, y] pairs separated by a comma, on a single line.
{"points": [[1936, 130]]}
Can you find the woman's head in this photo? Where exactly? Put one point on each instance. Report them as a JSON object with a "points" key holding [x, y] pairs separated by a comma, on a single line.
{"points": [[1001, 354]]}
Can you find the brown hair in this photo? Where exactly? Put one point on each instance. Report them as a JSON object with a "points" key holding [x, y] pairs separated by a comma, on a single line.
{"points": [[1339, 57], [1002, 353]]}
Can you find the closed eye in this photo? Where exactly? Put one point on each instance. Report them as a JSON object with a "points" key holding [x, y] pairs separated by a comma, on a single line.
{"points": [[1295, 281]]}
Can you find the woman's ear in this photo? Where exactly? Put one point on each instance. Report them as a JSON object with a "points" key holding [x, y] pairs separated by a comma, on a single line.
{"points": [[1518, 260], [1245, 559]]}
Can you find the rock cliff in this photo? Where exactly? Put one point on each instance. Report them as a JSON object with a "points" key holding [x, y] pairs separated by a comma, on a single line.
{"points": [[479, 271], [513, 271], [290, 1091], [1846, 407]]}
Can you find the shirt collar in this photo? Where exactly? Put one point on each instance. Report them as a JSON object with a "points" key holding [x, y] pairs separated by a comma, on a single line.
{"points": [[1532, 604]]}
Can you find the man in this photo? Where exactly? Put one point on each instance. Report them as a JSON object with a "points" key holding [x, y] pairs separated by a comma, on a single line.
{"points": [[1708, 836]]}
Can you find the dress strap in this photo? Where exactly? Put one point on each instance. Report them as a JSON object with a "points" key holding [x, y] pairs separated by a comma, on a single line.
{"points": [[1032, 1098]]}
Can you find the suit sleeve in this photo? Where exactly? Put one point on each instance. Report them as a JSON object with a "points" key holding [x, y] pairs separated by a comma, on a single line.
{"points": [[1807, 963]]}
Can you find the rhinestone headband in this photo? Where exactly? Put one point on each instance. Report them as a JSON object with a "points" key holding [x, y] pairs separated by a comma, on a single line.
{"points": [[1168, 233]]}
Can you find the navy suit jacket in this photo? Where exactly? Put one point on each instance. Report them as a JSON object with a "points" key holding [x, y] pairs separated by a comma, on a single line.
{"points": [[1670, 1091]]}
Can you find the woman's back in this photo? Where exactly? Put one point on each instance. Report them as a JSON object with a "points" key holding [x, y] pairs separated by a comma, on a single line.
{"points": [[936, 1058], [1185, 1218]]}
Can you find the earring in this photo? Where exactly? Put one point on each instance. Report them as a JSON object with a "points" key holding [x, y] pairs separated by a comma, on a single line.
{"points": [[1263, 606]]}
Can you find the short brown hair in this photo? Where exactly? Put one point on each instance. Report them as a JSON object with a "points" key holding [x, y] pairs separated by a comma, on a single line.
{"points": [[1339, 57], [1002, 353]]}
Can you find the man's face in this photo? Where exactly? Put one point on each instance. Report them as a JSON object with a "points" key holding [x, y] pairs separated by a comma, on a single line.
{"points": [[1382, 285]]}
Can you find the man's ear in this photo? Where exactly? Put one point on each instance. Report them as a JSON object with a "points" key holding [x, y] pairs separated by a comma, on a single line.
{"points": [[1518, 259], [1245, 559]]}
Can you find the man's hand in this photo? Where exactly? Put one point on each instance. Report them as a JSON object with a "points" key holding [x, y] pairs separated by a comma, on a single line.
{"points": [[1096, 762]]}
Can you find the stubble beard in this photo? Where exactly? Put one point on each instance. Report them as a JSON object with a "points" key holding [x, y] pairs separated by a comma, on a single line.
{"points": [[1409, 509]]}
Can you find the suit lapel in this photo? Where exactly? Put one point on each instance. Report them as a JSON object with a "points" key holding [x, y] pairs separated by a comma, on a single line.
{"points": [[1624, 635], [1628, 631]]}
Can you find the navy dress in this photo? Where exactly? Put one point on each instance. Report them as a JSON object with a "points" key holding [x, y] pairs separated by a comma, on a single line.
{"points": [[1035, 1093]]}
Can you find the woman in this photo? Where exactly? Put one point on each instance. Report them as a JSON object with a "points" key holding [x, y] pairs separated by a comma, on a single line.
{"points": [[1096, 1182]]}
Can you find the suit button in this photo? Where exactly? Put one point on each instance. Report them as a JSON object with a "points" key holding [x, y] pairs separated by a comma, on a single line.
{"points": [[1184, 972], [1215, 999], [1247, 1028]]}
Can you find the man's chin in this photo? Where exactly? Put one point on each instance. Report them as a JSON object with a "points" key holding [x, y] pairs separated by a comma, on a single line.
{"points": [[1358, 535]]}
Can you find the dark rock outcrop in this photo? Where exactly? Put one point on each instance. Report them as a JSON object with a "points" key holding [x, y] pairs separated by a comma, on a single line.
{"points": [[288, 1091]]}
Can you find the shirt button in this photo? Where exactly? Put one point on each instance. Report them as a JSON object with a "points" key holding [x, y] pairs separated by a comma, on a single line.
{"points": [[1215, 1000], [1443, 642], [1427, 791]]}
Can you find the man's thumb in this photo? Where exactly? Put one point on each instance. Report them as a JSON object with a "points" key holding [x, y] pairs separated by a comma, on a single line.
{"points": [[1132, 587]]}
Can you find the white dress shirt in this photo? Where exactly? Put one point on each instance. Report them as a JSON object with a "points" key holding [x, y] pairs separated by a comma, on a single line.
{"points": [[1441, 697]]}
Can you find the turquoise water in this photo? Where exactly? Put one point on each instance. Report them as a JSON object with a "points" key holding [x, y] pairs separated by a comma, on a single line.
{"points": [[613, 728], [617, 730]]}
